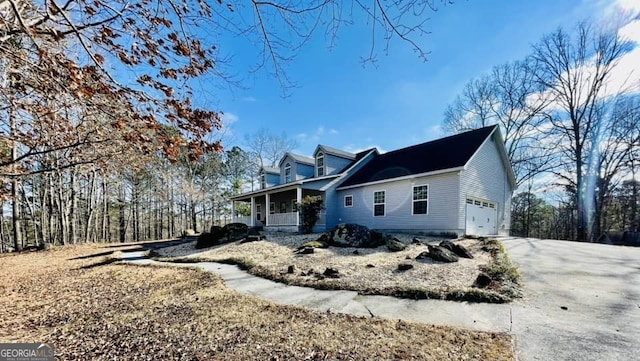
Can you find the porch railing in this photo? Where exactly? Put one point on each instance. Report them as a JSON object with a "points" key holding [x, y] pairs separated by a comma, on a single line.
{"points": [[283, 219], [242, 219]]}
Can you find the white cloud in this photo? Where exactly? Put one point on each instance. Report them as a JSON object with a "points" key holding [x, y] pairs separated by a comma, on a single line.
{"points": [[249, 99], [228, 119]]}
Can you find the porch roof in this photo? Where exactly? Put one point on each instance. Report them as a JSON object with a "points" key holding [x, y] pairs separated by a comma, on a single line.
{"points": [[281, 187]]}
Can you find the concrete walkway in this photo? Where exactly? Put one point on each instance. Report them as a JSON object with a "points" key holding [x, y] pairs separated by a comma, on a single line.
{"points": [[582, 301]]}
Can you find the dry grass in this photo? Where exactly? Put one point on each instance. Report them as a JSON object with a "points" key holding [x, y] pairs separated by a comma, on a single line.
{"points": [[150, 313], [427, 279]]}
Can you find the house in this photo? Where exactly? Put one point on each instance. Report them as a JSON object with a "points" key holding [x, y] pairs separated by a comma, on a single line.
{"points": [[461, 183]]}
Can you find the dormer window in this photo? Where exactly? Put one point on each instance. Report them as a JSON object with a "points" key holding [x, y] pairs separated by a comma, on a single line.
{"points": [[320, 164], [263, 180], [287, 173]]}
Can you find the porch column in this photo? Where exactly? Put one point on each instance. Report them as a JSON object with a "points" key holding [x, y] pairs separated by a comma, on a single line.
{"points": [[298, 200], [233, 211], [267, 210], [252, 221]]}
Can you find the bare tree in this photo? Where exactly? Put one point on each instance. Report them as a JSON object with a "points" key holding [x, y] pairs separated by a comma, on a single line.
{"points": [[266, 150], [575, 71], [509, 97]]}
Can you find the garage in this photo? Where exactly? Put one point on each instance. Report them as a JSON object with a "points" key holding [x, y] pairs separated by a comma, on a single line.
{"points": [[481, 217]]}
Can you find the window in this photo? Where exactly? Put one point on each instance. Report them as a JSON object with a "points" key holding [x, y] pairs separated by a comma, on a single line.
{"points": [[283, 207], [378, 203], [287, 173], [348, 201], [320, 164], [420, 199], [258, 211], [272, 207], [263, 180], [294, 205]]}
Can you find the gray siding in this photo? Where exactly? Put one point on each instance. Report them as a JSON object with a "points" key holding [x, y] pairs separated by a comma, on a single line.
{"points": [[486, 177], [442, 206], [334, 164], [272, 179], [298, 170], [333, 201]]}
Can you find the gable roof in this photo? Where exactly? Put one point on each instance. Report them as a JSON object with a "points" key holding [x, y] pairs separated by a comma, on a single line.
{"points": [[333, 151], [297, 158], [271, 170], [440, 154]]}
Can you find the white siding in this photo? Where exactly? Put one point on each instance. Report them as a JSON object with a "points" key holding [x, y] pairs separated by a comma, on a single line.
{"points": [[485, 177], [442, 207]]}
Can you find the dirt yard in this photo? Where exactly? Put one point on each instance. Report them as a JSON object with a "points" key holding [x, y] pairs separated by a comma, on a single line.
{"points": [[93, 310]]}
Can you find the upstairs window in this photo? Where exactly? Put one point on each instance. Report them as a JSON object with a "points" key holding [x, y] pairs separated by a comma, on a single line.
{"points": [[263, 180], [420, 199], [287, 173], [320, 164], [378, 203]]}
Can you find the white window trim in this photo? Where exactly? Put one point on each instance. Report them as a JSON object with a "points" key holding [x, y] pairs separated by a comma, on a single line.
{"points": [[344, 203], [420, 200], [258, 211], [384, 203], [263, 180], [320, 155], [272, 207]]}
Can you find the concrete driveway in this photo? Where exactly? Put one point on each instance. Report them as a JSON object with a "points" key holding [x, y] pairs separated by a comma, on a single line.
{"points": [[582, 300]]}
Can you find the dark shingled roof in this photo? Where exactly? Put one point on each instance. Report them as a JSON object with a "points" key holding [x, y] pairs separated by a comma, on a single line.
{"points": [[444, 153]]}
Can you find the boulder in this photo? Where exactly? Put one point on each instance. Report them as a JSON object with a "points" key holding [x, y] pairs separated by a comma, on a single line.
{"points": [[353, 235], [291, 269], [316, 244], [404, 266], [331, 273], [438, 253], [305, 250], [235, 231], [206, 240], [416, 240], [188, 233], [459, 250], [482, 281], [394, 245]]}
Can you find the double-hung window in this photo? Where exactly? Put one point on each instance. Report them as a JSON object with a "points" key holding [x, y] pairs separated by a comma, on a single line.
{"points": [[287, 173], [378, 203], [421, 199], [320, 164]]}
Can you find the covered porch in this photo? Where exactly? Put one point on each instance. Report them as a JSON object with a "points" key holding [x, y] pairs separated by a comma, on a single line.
{"points": [[275, 209]]}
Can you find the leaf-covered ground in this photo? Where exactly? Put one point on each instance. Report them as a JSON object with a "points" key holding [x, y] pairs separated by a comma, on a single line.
{"points": [[118, 311]]}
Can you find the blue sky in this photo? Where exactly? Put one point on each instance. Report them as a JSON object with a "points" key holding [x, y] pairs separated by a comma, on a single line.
{"points": [[401, 99]]}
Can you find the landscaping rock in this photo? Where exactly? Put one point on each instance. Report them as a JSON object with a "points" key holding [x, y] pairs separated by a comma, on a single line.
{"points": [[316, 244], [459, 250], [291, 269], [331, 273], [305, 250], [188, 233], [252, 238], [416, 240], [438, 253], [372, 266], [482, 281], [235, 232], [206, 240], [353, 235], [356, 252], [404, 266], [394, 245]]}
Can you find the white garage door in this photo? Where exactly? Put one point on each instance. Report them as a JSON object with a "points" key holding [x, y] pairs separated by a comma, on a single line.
{"points": [[481, 217]]}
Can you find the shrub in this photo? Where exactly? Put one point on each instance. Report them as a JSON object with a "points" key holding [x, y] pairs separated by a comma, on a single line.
{"points": [[310, 208]]}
